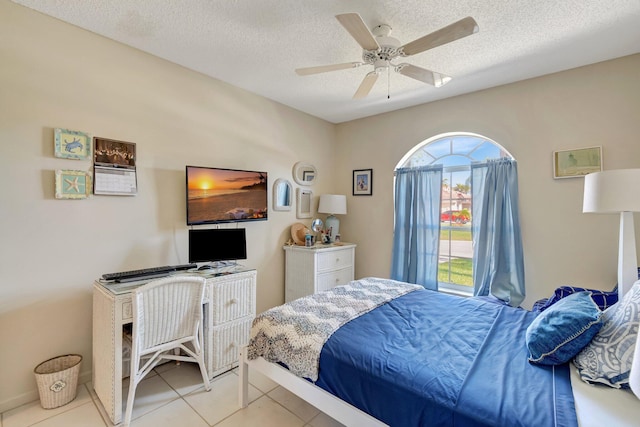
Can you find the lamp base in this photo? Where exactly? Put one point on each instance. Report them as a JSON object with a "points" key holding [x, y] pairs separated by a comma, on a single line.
{"points": [[333, 225], [627, 260]]}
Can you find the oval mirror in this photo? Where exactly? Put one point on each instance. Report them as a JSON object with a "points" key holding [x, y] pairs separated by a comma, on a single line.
{"points": [[316, 225], [304, 173], [282, 195]]}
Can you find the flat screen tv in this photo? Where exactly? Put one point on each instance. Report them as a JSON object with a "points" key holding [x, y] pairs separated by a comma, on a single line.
{"points": [[216, 195], [219, 244]]}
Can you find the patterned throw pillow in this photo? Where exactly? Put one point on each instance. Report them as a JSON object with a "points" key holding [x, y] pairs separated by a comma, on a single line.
{"points": [[607, 359]]}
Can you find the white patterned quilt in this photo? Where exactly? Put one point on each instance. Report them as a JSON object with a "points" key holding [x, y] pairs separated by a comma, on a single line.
{"points": [[294, 333]]}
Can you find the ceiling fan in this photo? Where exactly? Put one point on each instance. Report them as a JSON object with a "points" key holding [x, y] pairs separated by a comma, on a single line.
{"points": [[380, 50]]}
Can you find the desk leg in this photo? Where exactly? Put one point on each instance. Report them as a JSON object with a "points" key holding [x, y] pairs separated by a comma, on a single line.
{"points": [[107, 354]]}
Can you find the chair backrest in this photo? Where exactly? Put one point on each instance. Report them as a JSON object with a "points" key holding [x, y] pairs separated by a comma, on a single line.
{"points": [[167, 309]]}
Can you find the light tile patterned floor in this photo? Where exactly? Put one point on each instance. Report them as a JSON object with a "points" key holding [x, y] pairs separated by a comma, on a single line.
{"points": [[174, 396]]}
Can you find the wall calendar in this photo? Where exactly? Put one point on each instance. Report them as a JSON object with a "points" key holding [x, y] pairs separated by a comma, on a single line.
{"points": [[114, 170]]}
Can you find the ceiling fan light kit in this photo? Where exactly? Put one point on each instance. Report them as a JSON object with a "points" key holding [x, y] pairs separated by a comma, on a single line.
{"points": [[379, 50]]}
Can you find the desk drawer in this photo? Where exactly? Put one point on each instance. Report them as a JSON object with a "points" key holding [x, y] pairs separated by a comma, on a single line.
{"points": [[333, 260], [232, 299], [225, 344]]}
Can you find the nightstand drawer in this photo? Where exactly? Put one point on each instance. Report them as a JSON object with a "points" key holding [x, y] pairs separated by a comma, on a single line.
{"points": [[334, 278], [334, 260]]}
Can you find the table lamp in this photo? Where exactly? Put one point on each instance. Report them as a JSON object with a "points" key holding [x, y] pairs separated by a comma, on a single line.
{"points": [[617, 191], [333, 204]]}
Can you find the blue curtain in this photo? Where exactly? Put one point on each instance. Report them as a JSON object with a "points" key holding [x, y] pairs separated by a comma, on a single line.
{"points": [[417, 225], [497, 240]]}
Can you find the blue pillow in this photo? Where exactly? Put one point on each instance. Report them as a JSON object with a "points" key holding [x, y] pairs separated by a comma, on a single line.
{"points": [[562, 330], [604, 299]]}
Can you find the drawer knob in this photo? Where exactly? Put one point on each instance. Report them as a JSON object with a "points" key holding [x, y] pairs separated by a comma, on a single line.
{"points": [[337, 259], [233, 301], [337, 280]]}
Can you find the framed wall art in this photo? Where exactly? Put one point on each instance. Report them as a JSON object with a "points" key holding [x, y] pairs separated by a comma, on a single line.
{"points": [[71, 144], [72, 184], [363, 182], [576, 163]]}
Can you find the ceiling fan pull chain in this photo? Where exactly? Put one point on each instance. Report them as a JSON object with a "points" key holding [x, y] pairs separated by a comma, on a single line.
{"points": [[388, 82]]}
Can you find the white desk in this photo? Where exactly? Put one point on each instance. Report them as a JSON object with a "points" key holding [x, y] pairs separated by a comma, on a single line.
{"points": [[230, 307]]}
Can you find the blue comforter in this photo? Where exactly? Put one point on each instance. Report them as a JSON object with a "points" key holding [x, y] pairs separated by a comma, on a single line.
{"points": [[430, 359]]}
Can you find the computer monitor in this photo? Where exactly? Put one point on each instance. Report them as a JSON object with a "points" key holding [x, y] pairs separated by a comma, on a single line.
{"points": [[217, 244]]}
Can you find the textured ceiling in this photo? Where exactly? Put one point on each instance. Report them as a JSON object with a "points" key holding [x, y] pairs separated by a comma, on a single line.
{"points": [[257, 44]]}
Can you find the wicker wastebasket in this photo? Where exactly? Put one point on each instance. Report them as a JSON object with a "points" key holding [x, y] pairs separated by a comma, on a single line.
{"points": [[57, 380]]}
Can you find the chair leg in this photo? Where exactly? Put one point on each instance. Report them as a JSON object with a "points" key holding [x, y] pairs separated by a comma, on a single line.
{"points": [[133, 385], [205, 375]]}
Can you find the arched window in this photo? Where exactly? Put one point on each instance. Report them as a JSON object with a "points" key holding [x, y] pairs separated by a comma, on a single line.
{"points": [[455, 152]]}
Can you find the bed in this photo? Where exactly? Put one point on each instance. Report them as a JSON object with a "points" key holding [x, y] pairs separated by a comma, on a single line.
{"points": [[403, 360]]}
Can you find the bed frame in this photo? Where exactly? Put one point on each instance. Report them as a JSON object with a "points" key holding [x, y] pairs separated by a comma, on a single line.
{"points": [[326, 402]]}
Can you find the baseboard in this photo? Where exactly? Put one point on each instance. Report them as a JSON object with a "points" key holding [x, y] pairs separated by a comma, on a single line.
{"points": [[30, 396]]}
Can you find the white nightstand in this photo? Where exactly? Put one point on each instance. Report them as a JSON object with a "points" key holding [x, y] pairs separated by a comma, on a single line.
{"points": [[317, 268]]}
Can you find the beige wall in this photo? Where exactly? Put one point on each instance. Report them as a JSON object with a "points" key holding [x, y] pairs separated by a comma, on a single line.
{"points": [[589, 106], [56, 75]]}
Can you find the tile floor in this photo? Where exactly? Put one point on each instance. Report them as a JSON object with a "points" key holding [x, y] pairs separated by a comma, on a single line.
{"points": [[174, 396]]}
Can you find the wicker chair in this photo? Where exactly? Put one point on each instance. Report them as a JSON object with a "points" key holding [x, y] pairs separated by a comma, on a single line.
{"points": [[167, 315]]}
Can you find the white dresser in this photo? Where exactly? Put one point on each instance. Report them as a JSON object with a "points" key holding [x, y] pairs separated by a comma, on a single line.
{"points": [[317, 268], [229, 309]]}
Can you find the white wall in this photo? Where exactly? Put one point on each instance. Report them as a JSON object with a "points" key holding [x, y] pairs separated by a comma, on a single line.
{"points": [[53, 75], [588, 106]]}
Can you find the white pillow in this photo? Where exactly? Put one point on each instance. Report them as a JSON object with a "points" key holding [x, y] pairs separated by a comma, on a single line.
{"points": [[607, 359], [634, 376]]}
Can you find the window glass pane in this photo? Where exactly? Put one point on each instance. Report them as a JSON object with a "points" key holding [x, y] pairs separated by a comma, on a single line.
{"points": [[465, 144], [439, 148], [454, 160], [486, 151], [419, 158]]}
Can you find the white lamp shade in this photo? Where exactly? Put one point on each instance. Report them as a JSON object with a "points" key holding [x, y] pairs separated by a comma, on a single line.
{"points": [[333, 204], [612, 191]]}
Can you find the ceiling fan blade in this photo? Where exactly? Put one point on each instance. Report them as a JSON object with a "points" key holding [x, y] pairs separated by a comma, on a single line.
{"points": [[366, 85], [353, 23], [422, 74], [326, 68], [457, 30]]}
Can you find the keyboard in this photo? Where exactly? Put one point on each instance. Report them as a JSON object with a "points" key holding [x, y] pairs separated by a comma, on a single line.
{"points": [[126, 276]]}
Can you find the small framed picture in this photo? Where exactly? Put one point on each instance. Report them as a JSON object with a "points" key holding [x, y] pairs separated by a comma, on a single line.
{"points": [[72, 184], [71, 144], [363, 182], [576, 163], [308, 175]]}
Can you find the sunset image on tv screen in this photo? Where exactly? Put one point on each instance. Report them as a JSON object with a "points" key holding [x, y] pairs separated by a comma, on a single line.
{"points": [[223, 195]]}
